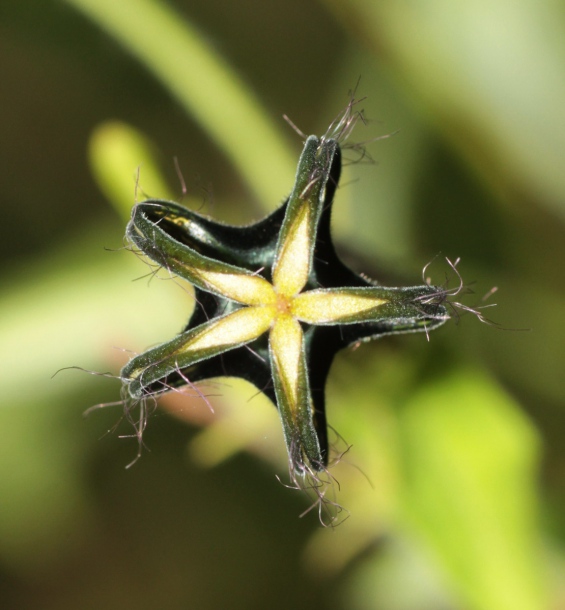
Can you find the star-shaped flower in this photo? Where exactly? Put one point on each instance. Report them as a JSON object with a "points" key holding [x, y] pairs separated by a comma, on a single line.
{"points": [[274, 303]]}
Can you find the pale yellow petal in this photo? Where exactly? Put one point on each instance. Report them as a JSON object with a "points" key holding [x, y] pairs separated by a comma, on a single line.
{"points": [[327, 306], [238, 327], [292, 389], [286, 340], [293, 263], [295, 248], [247, 289]]}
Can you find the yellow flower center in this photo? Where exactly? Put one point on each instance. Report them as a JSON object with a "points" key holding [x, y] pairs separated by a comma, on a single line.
{"points": [[283, 305]]}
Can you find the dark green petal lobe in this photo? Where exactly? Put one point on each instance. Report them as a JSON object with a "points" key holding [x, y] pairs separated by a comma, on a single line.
{"points": [[249, 247], [202, 271]]}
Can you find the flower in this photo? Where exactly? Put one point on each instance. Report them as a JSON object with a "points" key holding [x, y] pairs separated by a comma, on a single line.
{"points": [[274, 303]]}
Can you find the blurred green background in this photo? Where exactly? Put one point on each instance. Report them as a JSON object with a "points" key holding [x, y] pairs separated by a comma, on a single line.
{"points": [[455, 481]]}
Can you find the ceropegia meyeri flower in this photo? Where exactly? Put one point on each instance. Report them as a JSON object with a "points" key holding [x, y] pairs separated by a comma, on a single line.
{"points": [[274, 303]]}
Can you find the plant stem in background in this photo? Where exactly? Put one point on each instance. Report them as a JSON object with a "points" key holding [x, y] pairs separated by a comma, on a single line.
{"points": [[205, 86]]}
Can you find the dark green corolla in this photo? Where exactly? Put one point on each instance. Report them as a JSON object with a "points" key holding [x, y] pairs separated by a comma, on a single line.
{"points": [[274, 303]]}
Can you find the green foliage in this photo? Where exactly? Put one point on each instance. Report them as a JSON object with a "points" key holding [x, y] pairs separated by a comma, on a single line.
{"points": [[469, 468]]}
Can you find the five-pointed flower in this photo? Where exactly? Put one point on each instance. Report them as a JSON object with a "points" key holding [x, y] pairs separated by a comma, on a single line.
{"points": [[274, 303]]}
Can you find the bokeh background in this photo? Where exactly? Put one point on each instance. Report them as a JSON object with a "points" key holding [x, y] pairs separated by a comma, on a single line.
{"points": [[455, 481]]}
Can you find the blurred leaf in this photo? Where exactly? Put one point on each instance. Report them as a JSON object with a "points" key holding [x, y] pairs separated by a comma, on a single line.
{"points": [[116, 150], [84, 309], [471, 459], [490, 72], [69, 310], [400, 576], [205, 85]]}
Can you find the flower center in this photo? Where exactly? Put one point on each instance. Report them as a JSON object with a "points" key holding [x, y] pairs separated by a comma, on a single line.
{"points": [[283, 305]]}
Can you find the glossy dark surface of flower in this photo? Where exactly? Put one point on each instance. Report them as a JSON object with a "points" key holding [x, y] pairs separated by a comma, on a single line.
{"points": [[274, 303]]}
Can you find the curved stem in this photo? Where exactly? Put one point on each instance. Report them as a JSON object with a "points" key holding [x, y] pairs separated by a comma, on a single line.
{"points": [[205, 85]]}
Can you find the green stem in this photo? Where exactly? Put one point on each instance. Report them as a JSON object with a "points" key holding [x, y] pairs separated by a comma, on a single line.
{"points": [[205, 85]]}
